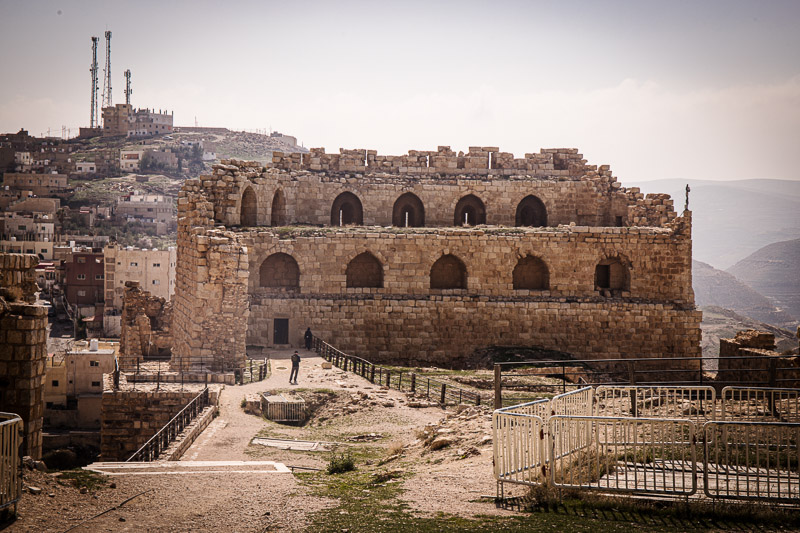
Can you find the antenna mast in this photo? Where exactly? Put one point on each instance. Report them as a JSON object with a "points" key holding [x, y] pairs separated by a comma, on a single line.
{"points": [[128, 89], [93, 118], [107, 73]]}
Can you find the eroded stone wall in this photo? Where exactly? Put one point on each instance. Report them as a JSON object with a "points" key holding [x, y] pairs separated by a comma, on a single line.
{"points": [[131, 417], [146, 326], [23, 348]]}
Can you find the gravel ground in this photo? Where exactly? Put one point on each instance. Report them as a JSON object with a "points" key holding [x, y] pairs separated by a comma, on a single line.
{"points": [[450, 480]]}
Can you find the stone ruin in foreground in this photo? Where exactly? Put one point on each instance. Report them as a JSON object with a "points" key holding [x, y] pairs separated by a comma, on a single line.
{"points": [[424, 258]]}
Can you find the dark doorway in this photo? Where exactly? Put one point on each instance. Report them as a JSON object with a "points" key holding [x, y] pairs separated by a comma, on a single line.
{"points": [[281, 331]]}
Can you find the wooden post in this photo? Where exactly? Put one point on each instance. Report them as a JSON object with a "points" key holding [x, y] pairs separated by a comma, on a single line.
{"points": [[413, 382], [372, 374], [444, 389], [498, 389]]}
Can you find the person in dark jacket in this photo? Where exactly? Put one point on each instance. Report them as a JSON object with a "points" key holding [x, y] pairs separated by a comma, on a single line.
{"points": [[308, 336], [295, 368]]}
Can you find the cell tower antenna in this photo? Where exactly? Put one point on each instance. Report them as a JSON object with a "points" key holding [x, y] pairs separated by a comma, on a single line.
{"points": [[93, 118], [107, 74], [128, 89]]}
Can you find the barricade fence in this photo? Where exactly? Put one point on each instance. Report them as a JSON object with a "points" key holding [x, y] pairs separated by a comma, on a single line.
{"points": [[676, 434], [432, 389], [515, 380], [10, 443]]}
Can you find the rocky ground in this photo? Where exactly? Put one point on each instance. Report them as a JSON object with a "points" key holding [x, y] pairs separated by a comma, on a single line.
{"points": [[432, 451]]}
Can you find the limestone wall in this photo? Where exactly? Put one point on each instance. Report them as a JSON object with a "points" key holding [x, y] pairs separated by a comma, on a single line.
{"points": [[131, 417], [293, 193], [145, 326], [445, 330], [210, 308], [615, 280], [23, 348]]}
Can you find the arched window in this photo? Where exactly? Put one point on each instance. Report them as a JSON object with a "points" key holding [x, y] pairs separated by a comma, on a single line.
{"points": [[531, 273], [408, 211], [279, 271], [470, 211], [249, 213], [347, 210], [448, 272], [531, 212], [364, 271], [611, 275], [278, 217]]}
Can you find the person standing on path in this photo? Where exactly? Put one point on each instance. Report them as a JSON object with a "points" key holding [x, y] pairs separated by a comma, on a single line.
{"points": [[308, 336], [295, 368]]}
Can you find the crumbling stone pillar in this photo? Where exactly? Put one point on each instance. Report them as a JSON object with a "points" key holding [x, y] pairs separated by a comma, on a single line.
{"points": [[23, 348]]}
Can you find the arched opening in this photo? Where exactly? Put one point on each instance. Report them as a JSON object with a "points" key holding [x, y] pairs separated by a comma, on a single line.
{"points": [[611, 275], [531, 273], [448, 272], [279, 271], [248, 215], [278, 217], [531, 212], [470, 211], [347, 210], [408, 211], [364, 271]]}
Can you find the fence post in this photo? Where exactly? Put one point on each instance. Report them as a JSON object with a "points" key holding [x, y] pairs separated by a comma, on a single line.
{"points": [[388, 379], [478, 398], [443, 400], [498, 390], [413, 382], [372, 374]]}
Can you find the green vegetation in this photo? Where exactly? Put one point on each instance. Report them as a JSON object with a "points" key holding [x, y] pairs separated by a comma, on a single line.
{"points": [[340, 463], [83, 478], [371, 501]]}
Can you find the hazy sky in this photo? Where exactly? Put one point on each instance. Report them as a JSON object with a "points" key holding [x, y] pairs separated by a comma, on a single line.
{"points": [[656, 89]]}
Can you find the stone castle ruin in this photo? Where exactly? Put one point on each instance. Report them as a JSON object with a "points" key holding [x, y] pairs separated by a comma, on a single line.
{"points": [[426, 257]]}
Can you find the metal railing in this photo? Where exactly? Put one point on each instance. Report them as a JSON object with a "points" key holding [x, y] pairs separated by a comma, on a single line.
{"points": [[657, 401], [252, 373], [432, 389], [752, 461], [10, 442], [568, 442], [742, 371], [159, 442], [616, 454], [760, 404]]}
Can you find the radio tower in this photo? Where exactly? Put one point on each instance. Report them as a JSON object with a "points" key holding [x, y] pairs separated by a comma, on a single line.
{"points": [[93, 118], [128, 89], [107, 73]]}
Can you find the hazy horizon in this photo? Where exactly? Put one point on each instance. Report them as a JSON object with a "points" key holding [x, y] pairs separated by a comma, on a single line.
{"points": [[657, 90]]}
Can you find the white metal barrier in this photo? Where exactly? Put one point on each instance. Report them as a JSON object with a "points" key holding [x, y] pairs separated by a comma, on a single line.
{"points": [[519, 442], [10, 441], [697, 403], [564, 443], [618, 454], [752, 461], [760, 404]]}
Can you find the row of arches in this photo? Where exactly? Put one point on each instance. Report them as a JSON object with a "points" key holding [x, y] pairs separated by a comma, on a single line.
{"points": [[408, 211], [280, 271]]}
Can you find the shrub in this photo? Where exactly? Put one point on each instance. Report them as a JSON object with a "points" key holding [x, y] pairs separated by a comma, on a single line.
{"points": [[341, 463]]}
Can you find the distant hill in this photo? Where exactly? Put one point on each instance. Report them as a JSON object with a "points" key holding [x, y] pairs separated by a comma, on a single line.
{"points": [[714, 287], [732, 219], [774, 271], [719, 323]]}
